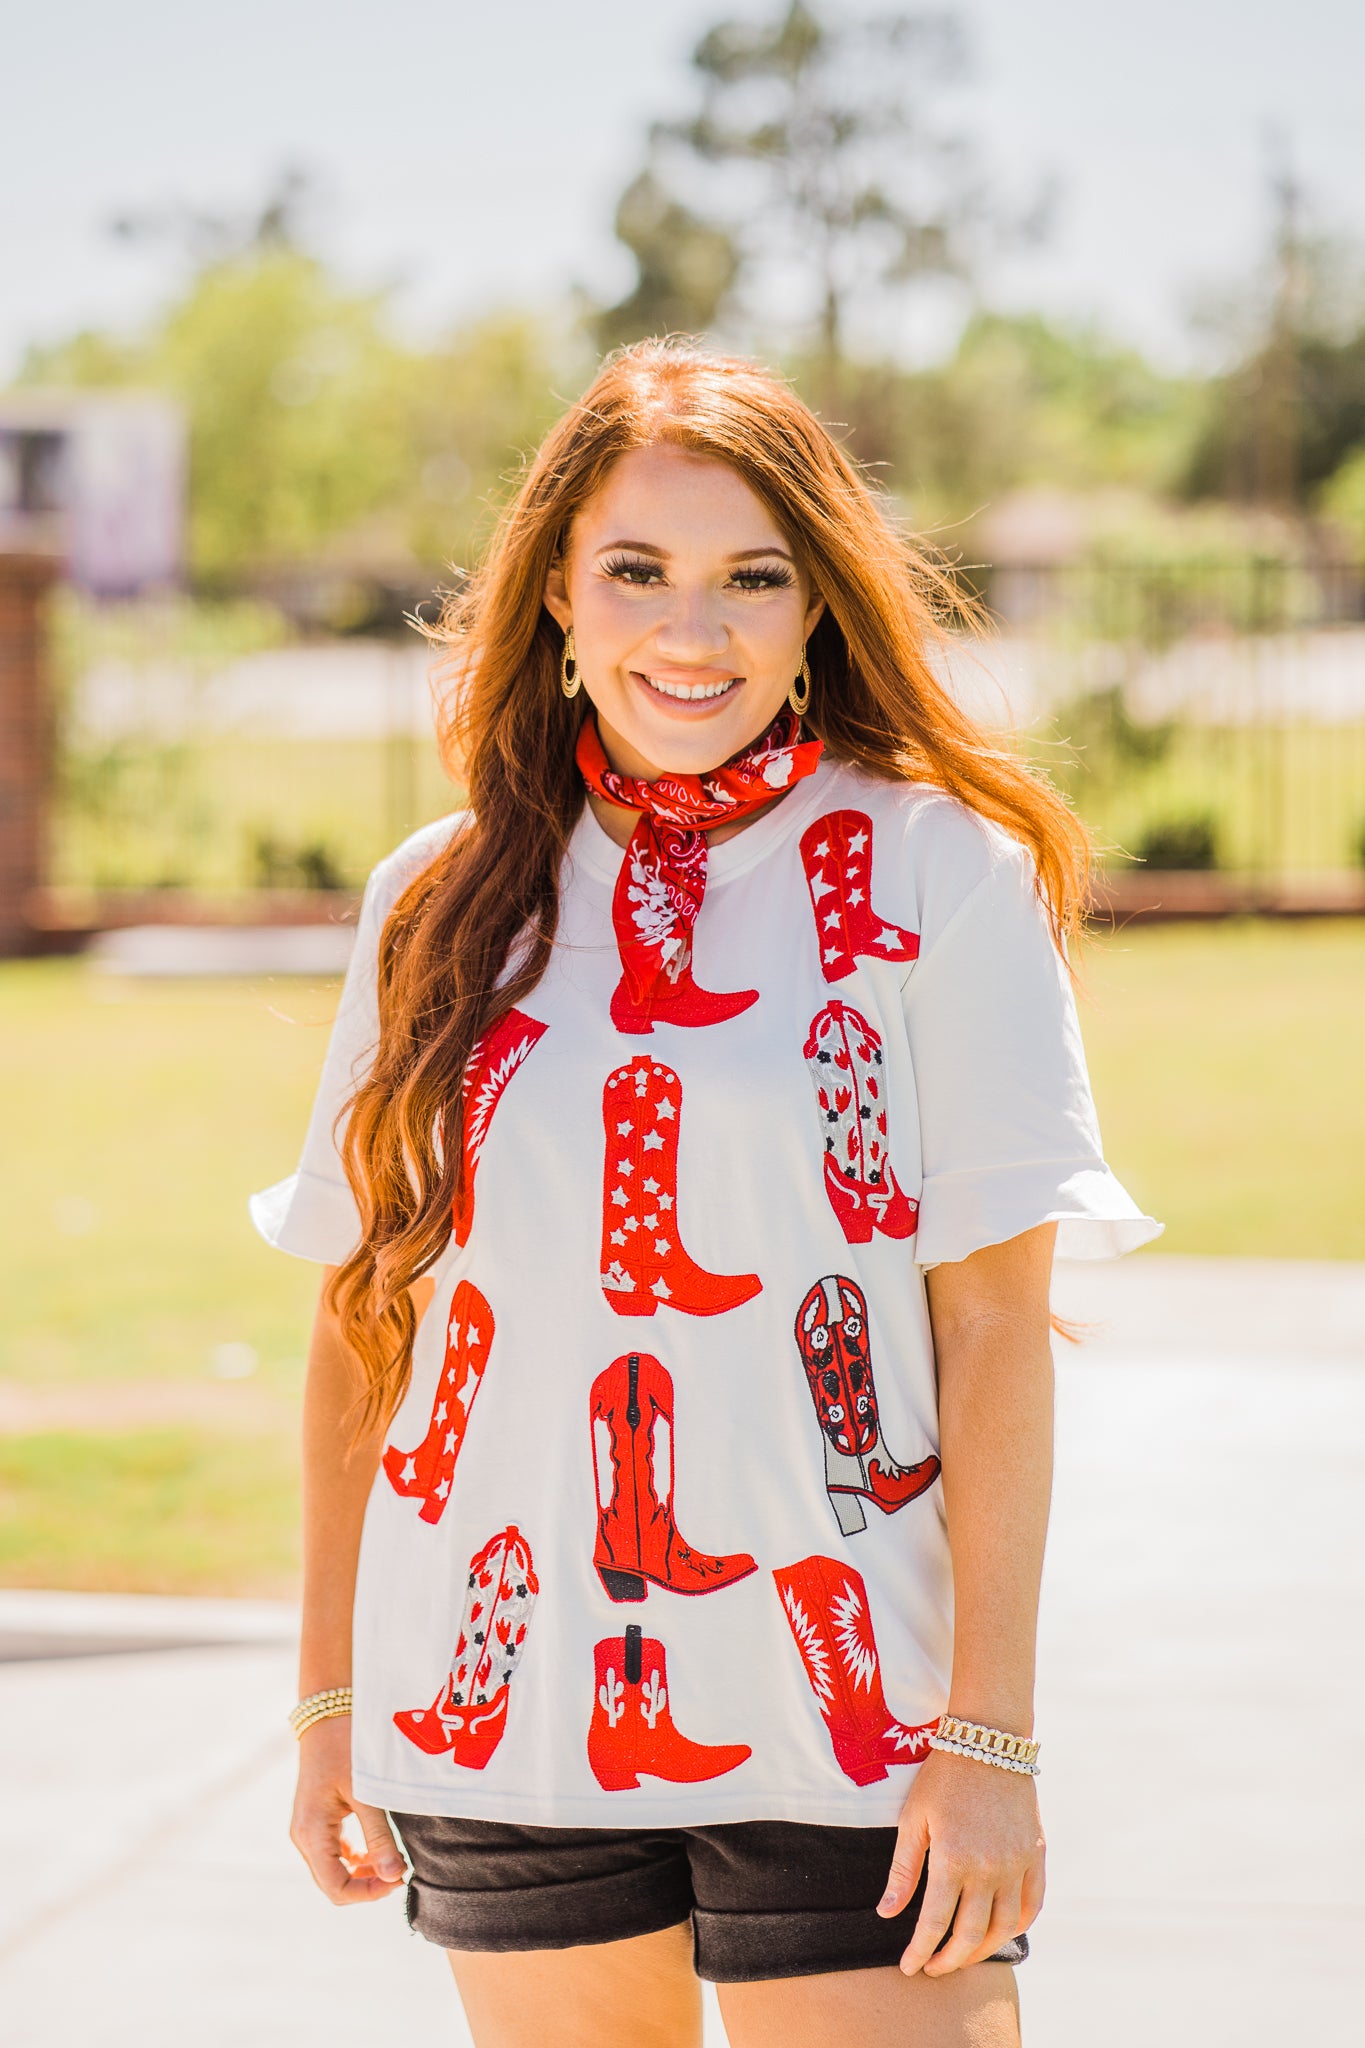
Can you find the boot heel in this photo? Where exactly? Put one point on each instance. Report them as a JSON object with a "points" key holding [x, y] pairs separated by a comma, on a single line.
{"points": [[621, 1585], [615, 1781]]}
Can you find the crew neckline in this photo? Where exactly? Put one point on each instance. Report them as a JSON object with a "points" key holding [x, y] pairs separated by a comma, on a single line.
{"points": [[593, 848]]}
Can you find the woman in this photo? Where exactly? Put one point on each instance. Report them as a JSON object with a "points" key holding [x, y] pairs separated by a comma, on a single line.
{"points": [[703, 1110]]}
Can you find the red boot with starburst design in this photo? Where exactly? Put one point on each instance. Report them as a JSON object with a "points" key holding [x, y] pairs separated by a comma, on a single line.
{"points": [[426, 1473], [632, 1729], [491, 1066], [643, 1260], [836, 852], [844, 1059], [825, 1603]]}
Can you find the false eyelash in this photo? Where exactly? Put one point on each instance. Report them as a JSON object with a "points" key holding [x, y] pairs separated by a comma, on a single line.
{"points": [[617, 565], [771, 579]]}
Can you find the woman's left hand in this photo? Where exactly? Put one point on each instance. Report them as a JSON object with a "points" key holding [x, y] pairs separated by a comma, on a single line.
{"points": [[979, 1828]]}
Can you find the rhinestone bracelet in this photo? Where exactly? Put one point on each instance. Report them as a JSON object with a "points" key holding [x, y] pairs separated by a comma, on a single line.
{"points": [[986, 1745], [319, 1706]]}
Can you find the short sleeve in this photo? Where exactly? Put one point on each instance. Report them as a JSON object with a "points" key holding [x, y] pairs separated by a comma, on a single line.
{"points": [[1009, 1134], [313, 1213]]}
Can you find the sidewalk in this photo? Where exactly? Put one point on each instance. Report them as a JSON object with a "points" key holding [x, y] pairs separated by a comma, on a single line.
{"points": [[1203, 1592]]}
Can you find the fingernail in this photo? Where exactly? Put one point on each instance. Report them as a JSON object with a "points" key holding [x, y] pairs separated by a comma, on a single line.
{"points": [[389, 1866], [888, 1902]]}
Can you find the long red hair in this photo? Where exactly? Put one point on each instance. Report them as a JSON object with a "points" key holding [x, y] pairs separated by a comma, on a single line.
{"points": [[471, 936]]}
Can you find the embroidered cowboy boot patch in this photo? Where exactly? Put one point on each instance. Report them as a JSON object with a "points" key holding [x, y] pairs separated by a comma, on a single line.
{"points": [[836, 852]]}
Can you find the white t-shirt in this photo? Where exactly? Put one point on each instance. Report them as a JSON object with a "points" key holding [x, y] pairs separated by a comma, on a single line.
{"points": [[659, 1538]]}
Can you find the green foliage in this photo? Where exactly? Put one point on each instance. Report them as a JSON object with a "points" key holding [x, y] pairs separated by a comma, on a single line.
{"points": [[685, 267], [1180, 843], [478, 406], [313, 433], [1343, 498], [1294, 403], [1020, 401]]}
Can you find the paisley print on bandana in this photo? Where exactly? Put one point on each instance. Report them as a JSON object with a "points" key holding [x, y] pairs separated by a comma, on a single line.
{"points": [[662, 880]]}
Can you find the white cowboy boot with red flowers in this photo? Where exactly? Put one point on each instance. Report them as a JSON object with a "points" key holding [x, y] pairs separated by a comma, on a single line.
{"points": [[470, 1714], [426, 1473], [631, 1409], [491, 1066], [832, 1337], [632, 1727], [825, 1603], [844, 1059], [643, 1260], [836, 852]]}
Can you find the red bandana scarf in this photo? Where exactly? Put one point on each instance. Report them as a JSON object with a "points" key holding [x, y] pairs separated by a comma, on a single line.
{"points": [[663, 876]]}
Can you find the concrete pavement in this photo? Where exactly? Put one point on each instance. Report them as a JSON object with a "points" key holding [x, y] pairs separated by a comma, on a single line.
{"points": [[1203, 1598]]}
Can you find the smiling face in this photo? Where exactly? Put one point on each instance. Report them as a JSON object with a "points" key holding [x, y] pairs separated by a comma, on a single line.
{"points": [[688, 608]]}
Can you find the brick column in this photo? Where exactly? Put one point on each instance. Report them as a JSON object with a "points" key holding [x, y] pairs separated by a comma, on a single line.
{"points": [[26, 762]]}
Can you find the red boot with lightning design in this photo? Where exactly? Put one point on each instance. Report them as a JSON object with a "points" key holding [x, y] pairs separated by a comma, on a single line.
{"points": [[844, 1060], [632, 1727], [426, 1473], [826, 1608], [836, 852], [643, 1261], [469, 1717], [631, 1408]]}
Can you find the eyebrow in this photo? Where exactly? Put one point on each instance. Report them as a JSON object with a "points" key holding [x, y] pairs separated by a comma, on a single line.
{"points": [[645, 547]]}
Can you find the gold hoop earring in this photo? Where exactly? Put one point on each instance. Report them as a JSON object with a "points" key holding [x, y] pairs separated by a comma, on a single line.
{"points": [[570, 674], [798, 696]]}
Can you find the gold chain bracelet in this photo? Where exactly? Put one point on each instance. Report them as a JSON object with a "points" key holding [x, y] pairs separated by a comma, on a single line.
{"points": [[319, 1706], [986, 1745]]}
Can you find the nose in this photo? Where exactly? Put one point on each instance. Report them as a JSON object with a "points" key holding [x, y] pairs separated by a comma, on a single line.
{"points": [[693, 630]]}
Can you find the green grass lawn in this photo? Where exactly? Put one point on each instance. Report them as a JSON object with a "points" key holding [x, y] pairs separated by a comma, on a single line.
{"points": [[1226, 1062]]}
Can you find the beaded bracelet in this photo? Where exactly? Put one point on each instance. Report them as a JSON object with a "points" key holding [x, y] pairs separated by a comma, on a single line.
{"points": [[986, 1745], [319, 1706]]}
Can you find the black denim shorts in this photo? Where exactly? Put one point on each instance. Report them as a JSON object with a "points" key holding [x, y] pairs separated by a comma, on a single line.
{"points": [[765, 1898]]}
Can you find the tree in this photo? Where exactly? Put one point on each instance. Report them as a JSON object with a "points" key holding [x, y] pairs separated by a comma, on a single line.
{"points": [[315, 435], [686, 267], [825, 149]]}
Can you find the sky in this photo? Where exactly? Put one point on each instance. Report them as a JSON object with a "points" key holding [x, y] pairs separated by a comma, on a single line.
{"points": [[469, 155]]}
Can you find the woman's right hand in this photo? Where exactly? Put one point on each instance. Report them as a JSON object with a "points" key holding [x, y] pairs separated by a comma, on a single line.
{"points": [[322, 1803]]}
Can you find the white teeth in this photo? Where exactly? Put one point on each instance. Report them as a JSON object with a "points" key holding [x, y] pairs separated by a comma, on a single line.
{"points": [[697, 690]]}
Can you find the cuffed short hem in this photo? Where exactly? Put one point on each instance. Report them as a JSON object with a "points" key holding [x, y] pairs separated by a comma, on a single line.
{"points": [[574, 1913], [752, 1948]]}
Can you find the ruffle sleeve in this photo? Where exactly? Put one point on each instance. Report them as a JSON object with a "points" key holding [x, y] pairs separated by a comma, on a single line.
{"points": [[313, 1214], [1008, 1129]]}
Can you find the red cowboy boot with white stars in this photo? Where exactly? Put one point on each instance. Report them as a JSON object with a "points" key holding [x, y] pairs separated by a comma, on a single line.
{"points": [[643, 1261], [844, 1059], [835, 1346], [632, 1727], [836, 852], [631, 1407], [491, 1066], [469, 1717], [825, 1603], [654, 910], [426, 1473]]}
